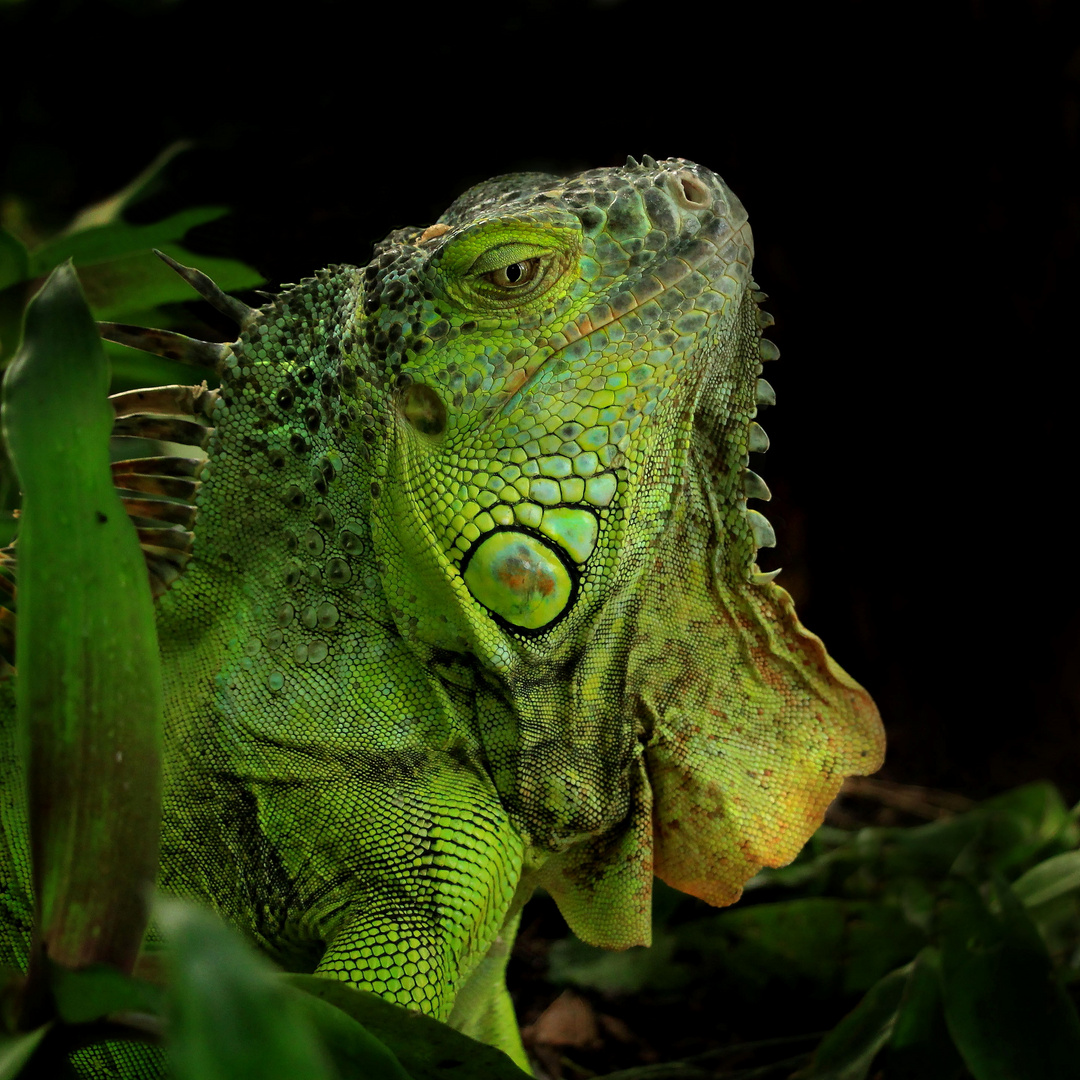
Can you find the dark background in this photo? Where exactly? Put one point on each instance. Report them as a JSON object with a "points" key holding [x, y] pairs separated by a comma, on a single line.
{"points": [[911, 174]]}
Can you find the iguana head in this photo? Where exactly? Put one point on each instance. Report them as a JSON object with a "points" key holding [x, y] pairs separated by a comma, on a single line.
{"points": [[507, 460], [543, 354]]}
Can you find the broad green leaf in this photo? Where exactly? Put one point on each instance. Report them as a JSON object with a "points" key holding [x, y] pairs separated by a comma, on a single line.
{"points": [[89, 696], [14, 259], [627, 971], [119, 272], [1001, 834], [1049, 879], [920, 1047], [121, 288], [110, 209], [16, 1050], [231, 1017], [356, 1053], [848, 1051], [104, 243], [95, 991], [14, 271], [1046, 819], [427, 1049], [1007, 1014]]}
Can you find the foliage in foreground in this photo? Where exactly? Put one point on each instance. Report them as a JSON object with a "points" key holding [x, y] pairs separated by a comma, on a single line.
{"points": [[959, 941]]}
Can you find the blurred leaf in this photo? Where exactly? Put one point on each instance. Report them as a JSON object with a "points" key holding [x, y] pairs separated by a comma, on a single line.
{"points": [[426, 1048], [104, 243], [89, 692], [1006, 1012], [109, 210], [95, 991], [14, 259], [1000, 834], [122, 279], [625, 972], [14, 271], [230, 1016], [123, 287], [920, 1047], [848, 1051], [132, 368], [355, 1052], [16, 1050], [1049, 879]]}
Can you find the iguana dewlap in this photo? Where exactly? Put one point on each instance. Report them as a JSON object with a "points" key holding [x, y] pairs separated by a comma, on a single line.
{"points": [[464, 597]]}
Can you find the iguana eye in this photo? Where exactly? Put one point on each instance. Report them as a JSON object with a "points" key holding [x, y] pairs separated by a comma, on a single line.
{"points": [[515, 275], [513, 267]]}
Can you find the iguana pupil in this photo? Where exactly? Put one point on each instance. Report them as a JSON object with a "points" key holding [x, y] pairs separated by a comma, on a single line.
{"points": [[515, 274]]}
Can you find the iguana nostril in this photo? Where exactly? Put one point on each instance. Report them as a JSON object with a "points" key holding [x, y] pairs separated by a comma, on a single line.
{"points": [[690, 193]]}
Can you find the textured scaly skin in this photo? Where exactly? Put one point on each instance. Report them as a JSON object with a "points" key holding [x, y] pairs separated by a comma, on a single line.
{"points": [[474, 605]]}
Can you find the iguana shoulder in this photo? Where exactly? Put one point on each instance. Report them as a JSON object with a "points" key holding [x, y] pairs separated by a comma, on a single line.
{"points": [[463, 597]]}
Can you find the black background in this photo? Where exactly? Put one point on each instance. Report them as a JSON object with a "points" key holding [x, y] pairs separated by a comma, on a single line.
{"points": [[911, 175]]}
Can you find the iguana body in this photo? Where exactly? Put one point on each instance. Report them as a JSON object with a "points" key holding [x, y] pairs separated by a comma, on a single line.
{"points": [[472, 602]]}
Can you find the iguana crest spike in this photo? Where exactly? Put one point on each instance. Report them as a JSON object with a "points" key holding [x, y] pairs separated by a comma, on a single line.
{"points": [[464, 600], [185, 350], [236, 310]]}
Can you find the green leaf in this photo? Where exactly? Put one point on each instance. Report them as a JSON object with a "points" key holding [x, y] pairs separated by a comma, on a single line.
{"points": [[1046, 822], [104, 243], [1049, 879], [14, 271], [96, 991], [14, 259], [356, 1053], [848, 1051], [110, 209], [89, 697], [801, 942], [133, 369], [627, 971], [139, 280], [16, 1050], [231, 1017], [428, 1049], [121, 275], [1001, 834], [1006, 1012], [920, 1047]]}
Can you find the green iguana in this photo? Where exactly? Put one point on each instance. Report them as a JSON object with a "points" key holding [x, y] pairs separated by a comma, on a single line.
{"points": [[463, 599]]}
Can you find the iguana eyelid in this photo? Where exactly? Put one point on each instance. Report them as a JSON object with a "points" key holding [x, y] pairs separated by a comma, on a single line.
{"points": [[504, 255]]}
